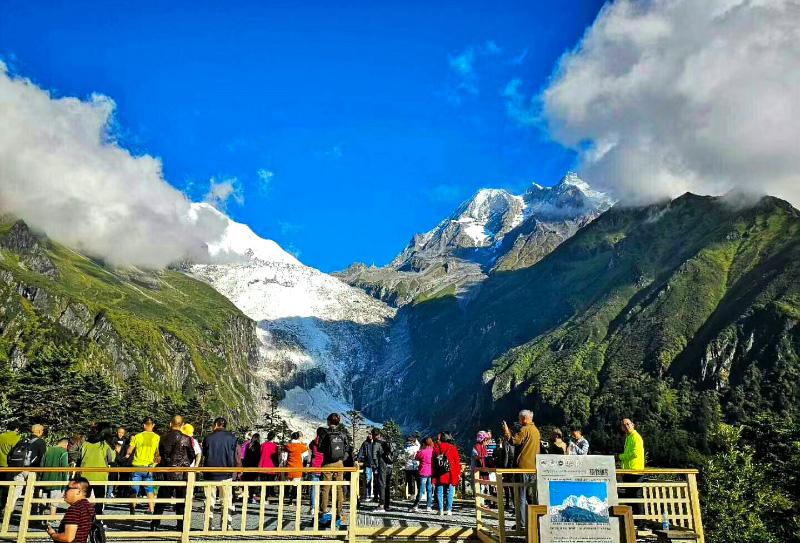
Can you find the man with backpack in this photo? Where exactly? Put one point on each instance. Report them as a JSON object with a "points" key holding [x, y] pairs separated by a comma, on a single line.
{"points": [[176, 451], [27, 453], [335, 448]]}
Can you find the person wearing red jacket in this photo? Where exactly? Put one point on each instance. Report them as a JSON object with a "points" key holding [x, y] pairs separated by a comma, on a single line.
{"points": [[446, 481]]}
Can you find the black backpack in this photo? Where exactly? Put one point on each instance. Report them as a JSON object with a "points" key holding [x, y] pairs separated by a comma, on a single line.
{"points": [[441, 464], [334, 447], [97, 532], [22, 454]]}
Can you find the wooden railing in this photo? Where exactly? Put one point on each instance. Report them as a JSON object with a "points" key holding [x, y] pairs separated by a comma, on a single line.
{"points": [[659, 491], [260, 520]]}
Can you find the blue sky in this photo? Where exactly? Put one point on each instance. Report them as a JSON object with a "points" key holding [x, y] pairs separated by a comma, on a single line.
{"points": [[348, 126]]}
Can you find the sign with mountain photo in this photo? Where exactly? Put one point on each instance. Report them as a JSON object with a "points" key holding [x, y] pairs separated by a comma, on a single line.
{"points": [[578, 491]]}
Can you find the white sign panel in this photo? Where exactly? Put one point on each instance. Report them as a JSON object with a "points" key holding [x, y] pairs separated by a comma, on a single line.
{"points": [[578, 491]]}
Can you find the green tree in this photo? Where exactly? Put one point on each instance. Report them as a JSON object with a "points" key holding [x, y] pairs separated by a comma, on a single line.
{"points": [[742, 501], [356, 420]]}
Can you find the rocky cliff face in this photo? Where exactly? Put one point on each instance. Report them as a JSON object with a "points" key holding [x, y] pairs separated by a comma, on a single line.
{"points": [[172, 334], [495, 230]]}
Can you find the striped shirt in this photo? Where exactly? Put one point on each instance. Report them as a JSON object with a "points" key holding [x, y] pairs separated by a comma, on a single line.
{"points": [[82, 514]]}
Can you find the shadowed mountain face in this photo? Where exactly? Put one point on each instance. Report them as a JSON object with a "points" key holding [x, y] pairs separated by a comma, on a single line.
{"points": [[495, 230], [674, 314]]}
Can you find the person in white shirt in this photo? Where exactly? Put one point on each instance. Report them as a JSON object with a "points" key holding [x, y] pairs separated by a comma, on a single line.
{"points": [[411, 466]]}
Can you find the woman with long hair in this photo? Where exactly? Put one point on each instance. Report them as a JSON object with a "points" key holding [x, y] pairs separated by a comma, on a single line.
{"points": [[98, 452], [251, 459], [425, 458]]}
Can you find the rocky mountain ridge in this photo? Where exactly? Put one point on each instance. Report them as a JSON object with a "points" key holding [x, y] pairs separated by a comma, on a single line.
{"points": [[494, 230]]}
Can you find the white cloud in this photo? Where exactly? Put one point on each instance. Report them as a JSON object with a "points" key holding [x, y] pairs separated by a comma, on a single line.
{"points": [[518, 106], [462, 63], [662, 97], [219, 192], [265, 177], [63, 173], [520, 58], [491, 48]]}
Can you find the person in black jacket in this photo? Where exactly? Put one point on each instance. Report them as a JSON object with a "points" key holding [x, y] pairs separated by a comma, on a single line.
{"points": [[384, 453], [503, 457], [176, 451], [366, 457]]}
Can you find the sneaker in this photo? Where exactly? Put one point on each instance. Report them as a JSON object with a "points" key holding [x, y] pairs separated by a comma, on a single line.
{"points": [[379, 510], [449, 513], [414, 509], [429, 509], [441, 513]]}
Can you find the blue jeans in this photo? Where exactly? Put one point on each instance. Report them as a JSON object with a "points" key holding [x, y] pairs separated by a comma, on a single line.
{"points": [[451, 492], [426, 489], [143, 476], [314, 477], [368, 480], [527, 495]]}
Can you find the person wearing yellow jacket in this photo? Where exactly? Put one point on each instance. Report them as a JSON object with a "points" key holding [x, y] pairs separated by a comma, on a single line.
{"points": [[633, 455], [632, 458]]}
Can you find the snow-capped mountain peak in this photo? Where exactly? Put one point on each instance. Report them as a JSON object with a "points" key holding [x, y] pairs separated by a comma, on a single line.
{"points": [[239, 241], [591, 503], [316, 332], [570, 198]]}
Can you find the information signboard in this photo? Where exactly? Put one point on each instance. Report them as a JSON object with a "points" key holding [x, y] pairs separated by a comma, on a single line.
{"points": [[578, 491]]}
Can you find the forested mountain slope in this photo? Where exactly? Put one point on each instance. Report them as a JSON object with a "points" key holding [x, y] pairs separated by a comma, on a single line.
{"points": [[677, 314]]}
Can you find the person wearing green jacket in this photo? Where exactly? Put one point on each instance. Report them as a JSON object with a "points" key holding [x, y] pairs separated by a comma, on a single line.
{"points": [[632, 457], [55, 457], [8, 439], [96, 452]]}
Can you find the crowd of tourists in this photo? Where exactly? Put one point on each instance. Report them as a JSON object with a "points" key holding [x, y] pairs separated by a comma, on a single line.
{"points": [[432, 465]]}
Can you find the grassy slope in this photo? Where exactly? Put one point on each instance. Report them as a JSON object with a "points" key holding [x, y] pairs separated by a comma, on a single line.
{"points": [[169, 301]]}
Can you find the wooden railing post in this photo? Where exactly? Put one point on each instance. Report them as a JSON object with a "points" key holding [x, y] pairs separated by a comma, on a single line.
{"points": [[475, 492], [187, 507], [26, 507], [501, 509], [352, 522], [694, 500]]}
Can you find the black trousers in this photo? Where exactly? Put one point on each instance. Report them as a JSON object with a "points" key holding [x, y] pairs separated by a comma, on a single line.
{"points": [[166, 492], [633, 492], [383, 487], [412, 476]]}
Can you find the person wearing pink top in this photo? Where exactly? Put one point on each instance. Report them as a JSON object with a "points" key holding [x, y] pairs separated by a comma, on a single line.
{"points": [[270, 458], [317, 459], [425, 459]]}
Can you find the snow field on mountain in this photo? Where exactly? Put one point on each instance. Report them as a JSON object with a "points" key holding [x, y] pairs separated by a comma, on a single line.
{"points": [[315, 331]]}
